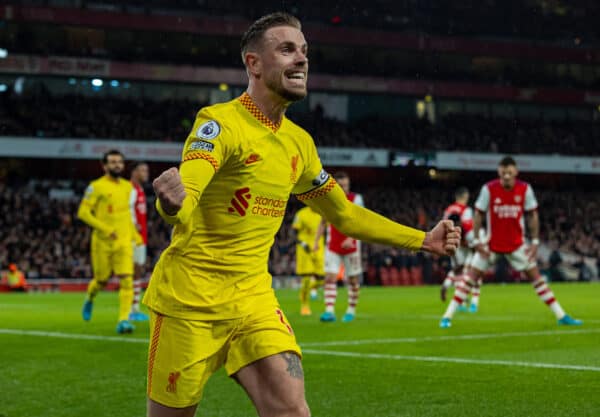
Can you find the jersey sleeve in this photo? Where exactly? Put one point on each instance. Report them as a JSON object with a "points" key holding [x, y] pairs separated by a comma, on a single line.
{"points": [[313, 176], [210, 140], [483, 200], [87, 207], [206, 149], [530, 200]]}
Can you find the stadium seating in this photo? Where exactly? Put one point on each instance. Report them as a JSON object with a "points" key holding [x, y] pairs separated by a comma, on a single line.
{"points": [[43, 235], [75, 116]]}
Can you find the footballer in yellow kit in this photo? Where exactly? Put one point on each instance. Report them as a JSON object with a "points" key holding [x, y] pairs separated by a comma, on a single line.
{"points": [[310, 261], [106, 208], [210, 295]]}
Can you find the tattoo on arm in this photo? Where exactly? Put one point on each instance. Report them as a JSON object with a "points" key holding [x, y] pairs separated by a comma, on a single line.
{"points": [[294, 366]]}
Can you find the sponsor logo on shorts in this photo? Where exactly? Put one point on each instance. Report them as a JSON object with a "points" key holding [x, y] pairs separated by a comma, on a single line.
{"points": [[172, 385]]}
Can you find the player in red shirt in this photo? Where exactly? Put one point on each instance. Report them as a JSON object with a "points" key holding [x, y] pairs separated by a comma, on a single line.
{"points": [[506, 200], [139, 176], [342, 250], [462, 215]]}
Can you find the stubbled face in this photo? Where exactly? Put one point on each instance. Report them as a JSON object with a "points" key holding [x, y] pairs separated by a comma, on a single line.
{"points": [[508, 175], [114, 166], [345, 184], [284, 66], [141, 173]]}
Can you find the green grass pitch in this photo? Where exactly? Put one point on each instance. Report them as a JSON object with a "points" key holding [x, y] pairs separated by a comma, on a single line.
{"points": [[509, 359]]}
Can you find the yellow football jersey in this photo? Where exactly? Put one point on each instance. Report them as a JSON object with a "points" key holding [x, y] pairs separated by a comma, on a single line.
{"points": [[106, 208], [218, 258], [306, 222]]}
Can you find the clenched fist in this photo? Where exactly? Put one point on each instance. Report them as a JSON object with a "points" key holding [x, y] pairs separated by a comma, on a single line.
{"points": [[169, 190], [443, 239]]}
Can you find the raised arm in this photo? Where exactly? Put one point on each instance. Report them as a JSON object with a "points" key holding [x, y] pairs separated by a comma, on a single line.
{"points": [[364, 224], [178, 191]]}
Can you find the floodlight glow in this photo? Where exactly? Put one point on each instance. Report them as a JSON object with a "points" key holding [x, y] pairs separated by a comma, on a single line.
{"points": [[3, 53], [97, 82]]}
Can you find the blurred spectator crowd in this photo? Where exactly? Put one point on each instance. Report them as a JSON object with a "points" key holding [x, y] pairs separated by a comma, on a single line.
{"points": [[536, 19], [171, 120], [40, 232], [75, 116]]}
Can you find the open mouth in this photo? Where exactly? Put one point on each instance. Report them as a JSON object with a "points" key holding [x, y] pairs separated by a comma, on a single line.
{"points": [[296, 75]]}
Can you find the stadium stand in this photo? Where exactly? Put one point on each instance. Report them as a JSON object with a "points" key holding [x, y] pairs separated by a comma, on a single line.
{"points": [[77, 116], [40, 232]]}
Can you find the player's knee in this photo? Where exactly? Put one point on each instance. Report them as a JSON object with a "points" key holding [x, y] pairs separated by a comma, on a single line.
{"points": [[126, 283], [297, 408]]}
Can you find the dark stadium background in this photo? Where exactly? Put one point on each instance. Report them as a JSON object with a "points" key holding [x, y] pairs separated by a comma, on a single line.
{"points": [[413, 98], [407, 79]]}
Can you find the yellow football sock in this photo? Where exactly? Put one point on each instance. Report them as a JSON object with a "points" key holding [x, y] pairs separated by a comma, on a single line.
{"points": [[316, 283], [304, 290], [94, 288], [125, 298]]}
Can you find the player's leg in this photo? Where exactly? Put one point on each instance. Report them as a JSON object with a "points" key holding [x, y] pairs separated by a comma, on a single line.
{"points": [[332, 266], [454, 274], [101, 270], [476, 291], [519, 260], [463, 288], [352, 263], [304, 295], [316, 283], [475, 294], [265, 360], [122, 258], [304, 270], [319, 268], [353, 293], [182, 355], [139, 261], [275, 385]]}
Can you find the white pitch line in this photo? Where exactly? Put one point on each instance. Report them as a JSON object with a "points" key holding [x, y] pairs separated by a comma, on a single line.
{"points": [[328, 352], [452, 360], [446, 338], [79, 336], [72, 336]]}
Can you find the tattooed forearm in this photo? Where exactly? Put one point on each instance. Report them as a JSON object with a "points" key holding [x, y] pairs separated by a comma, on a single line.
{"points": [[294, 365]]}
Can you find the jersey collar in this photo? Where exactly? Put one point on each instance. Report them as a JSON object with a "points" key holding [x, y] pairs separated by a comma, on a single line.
{"points": [[247, 102]]}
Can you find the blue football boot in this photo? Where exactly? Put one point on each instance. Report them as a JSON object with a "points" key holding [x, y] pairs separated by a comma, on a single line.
{"points": [[124, 327], [327, 317], [86, 311]]}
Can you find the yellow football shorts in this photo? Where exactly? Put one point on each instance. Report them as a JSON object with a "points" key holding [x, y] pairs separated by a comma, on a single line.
{"points": [[108, 259], [183, 354], [312, 263]]}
